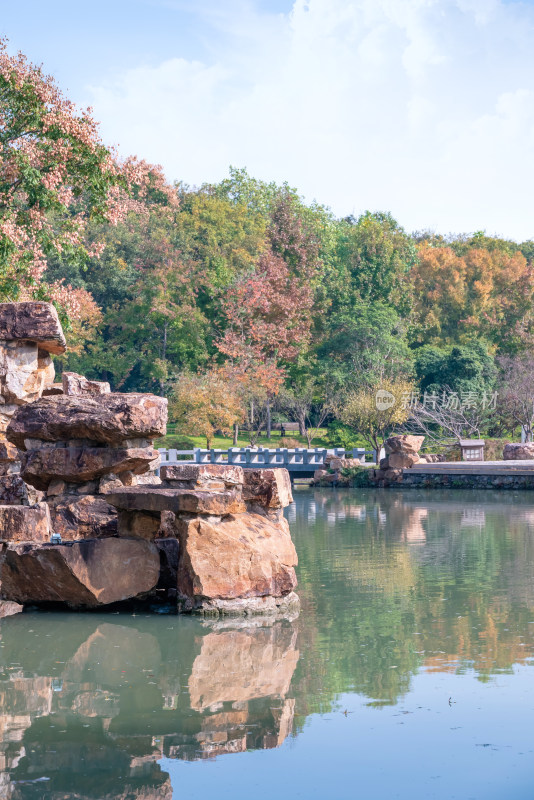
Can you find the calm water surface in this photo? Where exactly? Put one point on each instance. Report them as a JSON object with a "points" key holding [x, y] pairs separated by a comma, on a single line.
{"points": [[409, 673]]}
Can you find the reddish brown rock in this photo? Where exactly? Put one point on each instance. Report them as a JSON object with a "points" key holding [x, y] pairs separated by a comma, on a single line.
{"points": [[402, 460], [25, 523], [81, 464], [202, 476], [82, 517], [270, 488], [141, 498], [33, 322], [518, 452], [243, 556], [403, 444], [108, 418], [13, 491], [139, 525], [84, 574], [75, 385]]}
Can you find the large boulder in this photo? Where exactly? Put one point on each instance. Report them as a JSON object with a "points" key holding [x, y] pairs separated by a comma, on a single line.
{"points": [[81, 464], [32, 322], [403, 444], [109, 418], [518, 452], [25, 523], [82, 517], [244, 556], [85, 574], [401, 460]]}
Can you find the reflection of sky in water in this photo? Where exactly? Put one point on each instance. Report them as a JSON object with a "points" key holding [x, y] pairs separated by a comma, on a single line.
{"points": [[407, 674]]}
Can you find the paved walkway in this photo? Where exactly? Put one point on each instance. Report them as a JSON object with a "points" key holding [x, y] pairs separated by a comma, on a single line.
{"points": [[474, 468]]}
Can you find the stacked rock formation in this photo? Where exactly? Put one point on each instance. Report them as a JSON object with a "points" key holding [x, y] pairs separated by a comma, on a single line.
{"points": [[235, 549], [209, 537], [402, 452], [74, 447], [29, 334]]}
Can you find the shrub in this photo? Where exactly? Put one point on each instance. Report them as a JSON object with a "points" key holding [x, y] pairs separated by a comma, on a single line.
{"points": [[341, 435], [358, 476]]}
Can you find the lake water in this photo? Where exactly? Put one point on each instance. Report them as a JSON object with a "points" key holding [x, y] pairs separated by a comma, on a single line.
{"points": [[409, 673]]}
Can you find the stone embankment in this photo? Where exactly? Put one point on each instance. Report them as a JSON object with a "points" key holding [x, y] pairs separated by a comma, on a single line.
{"points": [[79, 462]]}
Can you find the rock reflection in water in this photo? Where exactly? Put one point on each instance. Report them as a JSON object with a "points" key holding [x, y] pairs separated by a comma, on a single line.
{"points": [[93, 714]]}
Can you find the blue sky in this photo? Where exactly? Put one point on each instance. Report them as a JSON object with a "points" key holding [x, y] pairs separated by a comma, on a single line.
{"points": [[424, 108]]}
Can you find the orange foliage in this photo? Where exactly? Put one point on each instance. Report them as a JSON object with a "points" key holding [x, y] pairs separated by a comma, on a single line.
{"points": [[482, 293]]}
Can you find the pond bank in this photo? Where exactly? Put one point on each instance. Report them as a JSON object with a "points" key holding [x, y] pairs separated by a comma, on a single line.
{"points": [[515, 475]]}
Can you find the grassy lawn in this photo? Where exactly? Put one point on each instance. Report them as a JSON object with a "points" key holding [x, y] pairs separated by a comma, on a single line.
{"points": [[223, 442]]}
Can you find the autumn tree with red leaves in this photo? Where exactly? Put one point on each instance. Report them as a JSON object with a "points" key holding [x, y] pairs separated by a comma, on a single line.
{"points": [[55, 175]]}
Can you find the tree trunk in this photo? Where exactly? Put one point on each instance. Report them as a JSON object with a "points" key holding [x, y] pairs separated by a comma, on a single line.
{"points": [[236, 434], [163, 355], [252, 413], [268, 419], [302, 425]]}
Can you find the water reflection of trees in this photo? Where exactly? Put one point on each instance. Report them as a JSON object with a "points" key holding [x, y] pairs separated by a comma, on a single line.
{"points": [[391, 583], [95, 710], [408, 581]]}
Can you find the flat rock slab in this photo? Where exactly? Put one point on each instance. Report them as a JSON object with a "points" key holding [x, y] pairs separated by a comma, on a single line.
{"points": [[203, 475], [146, 498], [25, 523], [81, 464], [109, 418], [241, 556], [88, 574], [33, 322]]}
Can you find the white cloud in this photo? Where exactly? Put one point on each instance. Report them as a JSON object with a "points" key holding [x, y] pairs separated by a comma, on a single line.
{"points": [[421, 107]]}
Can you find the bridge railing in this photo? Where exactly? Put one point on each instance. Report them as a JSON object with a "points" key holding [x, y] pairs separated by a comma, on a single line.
{"points": [[293, 459]]}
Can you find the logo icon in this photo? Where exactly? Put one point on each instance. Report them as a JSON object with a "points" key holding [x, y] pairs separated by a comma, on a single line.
{"points": [[384, 400]]}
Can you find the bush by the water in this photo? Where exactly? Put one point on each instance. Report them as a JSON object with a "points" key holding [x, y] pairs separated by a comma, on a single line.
{"points": [[358, 476]]}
